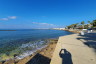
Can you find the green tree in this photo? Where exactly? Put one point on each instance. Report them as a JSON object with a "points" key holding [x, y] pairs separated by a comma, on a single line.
{"points": [[72, 26], [75, 25], [83, 23], [89, 22], [68, 27], [94, 23], [86, 26]]}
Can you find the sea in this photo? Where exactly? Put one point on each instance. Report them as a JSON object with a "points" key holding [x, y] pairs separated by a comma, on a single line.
{"points": [[23, 42]]}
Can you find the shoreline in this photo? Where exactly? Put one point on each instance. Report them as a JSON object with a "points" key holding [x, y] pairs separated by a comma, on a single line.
{"points": [[49, 48], [7, 30], [25, 50], [45, 52], [71, 30]]}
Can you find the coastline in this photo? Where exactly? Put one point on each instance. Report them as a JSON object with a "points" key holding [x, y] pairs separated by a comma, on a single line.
{"points": [[47, 52], [71, 30], [7, 30]]}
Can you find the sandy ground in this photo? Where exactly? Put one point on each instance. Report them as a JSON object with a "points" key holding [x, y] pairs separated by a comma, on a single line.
{"points": [[75, 49], [42, 56], [73, 30]]}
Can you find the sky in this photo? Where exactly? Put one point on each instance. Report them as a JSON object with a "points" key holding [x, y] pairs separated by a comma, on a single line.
{"points": [[28, 14]]}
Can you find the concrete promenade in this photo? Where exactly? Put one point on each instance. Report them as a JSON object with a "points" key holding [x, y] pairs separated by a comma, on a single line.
{"points": [[75, 49]]}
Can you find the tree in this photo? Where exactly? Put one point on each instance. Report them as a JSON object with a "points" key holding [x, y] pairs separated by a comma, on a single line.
{"points": [[68, 27], [89, 22], [94, 23], [72, 26], [86, 26], [83, 23], [76, 25]]}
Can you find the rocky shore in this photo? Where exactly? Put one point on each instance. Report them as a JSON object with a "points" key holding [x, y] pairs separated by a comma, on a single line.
{"points": [[42, 56], [73, 30]]}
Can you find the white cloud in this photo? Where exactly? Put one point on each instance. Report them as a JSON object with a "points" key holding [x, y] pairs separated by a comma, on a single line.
{"points": [[5, 19], [8, 18], [12, 17], [35, 23], [43, 24]]}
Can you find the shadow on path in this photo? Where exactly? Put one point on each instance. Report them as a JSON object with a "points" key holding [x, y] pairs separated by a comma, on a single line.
{"points": [[66, 57], [39, 59], [90, 40]]}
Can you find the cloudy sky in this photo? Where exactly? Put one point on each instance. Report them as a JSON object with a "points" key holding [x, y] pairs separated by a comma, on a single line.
{"points": [[27, 14]]}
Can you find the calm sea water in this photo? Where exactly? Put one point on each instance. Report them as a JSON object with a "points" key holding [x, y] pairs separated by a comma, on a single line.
{"points": [[26, 39]]}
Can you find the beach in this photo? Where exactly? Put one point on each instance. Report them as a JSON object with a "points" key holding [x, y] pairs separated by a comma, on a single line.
{"points": [[80, 50], [47, 31], [24, 42], [50, 54], [46, 54]]}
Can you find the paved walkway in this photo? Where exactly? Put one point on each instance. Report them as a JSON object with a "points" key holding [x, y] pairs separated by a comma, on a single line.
{"points": [[74, 51]]}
